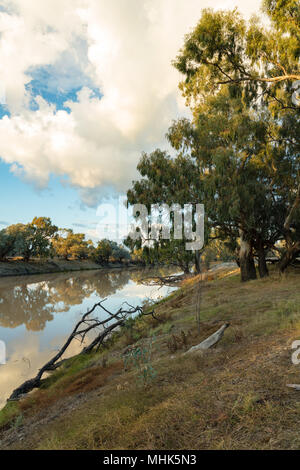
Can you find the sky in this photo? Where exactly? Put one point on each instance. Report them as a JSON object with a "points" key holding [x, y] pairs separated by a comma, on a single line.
{"points": [[85, 87]]}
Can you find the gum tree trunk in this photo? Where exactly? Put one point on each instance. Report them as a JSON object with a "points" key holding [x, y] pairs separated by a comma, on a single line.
{"points": [[292, 246], [289, 256], [262, 264], [197, 262], [247, 266]]}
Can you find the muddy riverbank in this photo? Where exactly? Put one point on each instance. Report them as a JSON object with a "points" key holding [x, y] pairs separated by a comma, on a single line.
{"points": [[20, 268]]}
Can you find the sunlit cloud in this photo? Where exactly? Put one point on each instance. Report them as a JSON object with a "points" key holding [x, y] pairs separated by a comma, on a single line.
{"points": [[89, 85]]}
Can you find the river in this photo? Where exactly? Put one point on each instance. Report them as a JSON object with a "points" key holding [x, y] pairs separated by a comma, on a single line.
{"points": [[37, 314]]}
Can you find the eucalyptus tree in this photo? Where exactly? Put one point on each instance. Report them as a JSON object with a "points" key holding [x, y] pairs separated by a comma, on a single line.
{"points": [[169, 180], [239, 154], [224, 52], [103, 251], [7, 244], [32, 239], [223, 48], [226, 142], [68, 244]]}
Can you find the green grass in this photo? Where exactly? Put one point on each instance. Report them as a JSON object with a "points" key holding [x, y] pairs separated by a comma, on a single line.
{"points": [[232, 397], [8, 413]]}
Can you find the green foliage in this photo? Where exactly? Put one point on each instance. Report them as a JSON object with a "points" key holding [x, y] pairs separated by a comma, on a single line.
{"points": [[224, 49], [107, 249], [18, 422], [8, 413], [165, 180], [238, 80], [119, 252], [217, 250], [103, 251], [42, 239], [7, 244], [240, 153], [140, 358], [33, 239], [70, 244], [285, 14]]}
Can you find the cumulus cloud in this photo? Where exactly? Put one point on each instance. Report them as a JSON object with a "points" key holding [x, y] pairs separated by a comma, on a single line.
{"points": [[112, 63]]}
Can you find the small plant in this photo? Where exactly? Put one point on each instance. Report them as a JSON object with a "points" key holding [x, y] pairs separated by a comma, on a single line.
{"points": [[18, 421], [140, 358]]}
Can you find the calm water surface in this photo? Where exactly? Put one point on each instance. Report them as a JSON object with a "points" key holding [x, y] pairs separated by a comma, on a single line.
{"points": [[37, 314]]}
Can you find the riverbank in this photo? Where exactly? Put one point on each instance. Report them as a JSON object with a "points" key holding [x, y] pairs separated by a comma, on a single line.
{"points": [[22, 268], [233, 396]]}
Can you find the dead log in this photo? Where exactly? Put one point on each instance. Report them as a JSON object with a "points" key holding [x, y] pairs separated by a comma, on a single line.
{"points": [[80, 331], [210, 341], [294, 386], [163, 281]]}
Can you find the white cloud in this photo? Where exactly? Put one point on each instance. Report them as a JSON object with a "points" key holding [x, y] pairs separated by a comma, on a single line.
{"points": [[126, 49]]}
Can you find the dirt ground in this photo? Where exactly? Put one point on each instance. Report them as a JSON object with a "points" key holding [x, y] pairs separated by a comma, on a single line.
{"points": [[234, 396]]}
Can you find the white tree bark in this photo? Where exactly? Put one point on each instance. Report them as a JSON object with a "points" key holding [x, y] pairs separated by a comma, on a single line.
{"points": [[294, 386], [210, 341]]}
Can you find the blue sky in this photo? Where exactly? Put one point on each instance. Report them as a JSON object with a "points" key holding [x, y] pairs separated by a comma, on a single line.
{"points": [[21, 202], [88, 86]]}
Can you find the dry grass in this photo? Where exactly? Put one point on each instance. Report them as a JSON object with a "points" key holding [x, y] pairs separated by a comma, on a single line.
{"points": [[83, 381], [232, 397]]}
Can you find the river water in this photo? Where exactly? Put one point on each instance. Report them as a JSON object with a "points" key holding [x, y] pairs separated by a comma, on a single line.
{"points": [[37, 314]]}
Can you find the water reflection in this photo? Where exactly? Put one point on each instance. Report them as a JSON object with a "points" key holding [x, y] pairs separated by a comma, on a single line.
{"points": [[37, 313], [34, 303]]}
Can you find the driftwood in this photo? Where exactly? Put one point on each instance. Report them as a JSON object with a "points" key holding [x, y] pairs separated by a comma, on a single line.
{"points": [[210, 341], [80, 331], [294, 386], [162, 281]]}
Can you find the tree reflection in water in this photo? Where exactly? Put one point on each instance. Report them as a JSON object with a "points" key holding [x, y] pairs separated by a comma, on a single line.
{"points": [[30, 302]]}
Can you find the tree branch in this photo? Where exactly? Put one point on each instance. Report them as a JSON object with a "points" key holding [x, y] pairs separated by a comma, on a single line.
{"points": [[81, 329]]}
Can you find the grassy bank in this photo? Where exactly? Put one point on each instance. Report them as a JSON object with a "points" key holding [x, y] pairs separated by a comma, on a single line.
{"points": [[231, 397], [21, 268]]}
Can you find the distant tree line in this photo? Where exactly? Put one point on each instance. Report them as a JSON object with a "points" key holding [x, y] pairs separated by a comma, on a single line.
{"points": [[41, 239]]}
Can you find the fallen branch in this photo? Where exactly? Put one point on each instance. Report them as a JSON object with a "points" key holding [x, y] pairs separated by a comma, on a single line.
{"points": [[210, 341], [294, 386], [162, 281], [82, 328]]}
